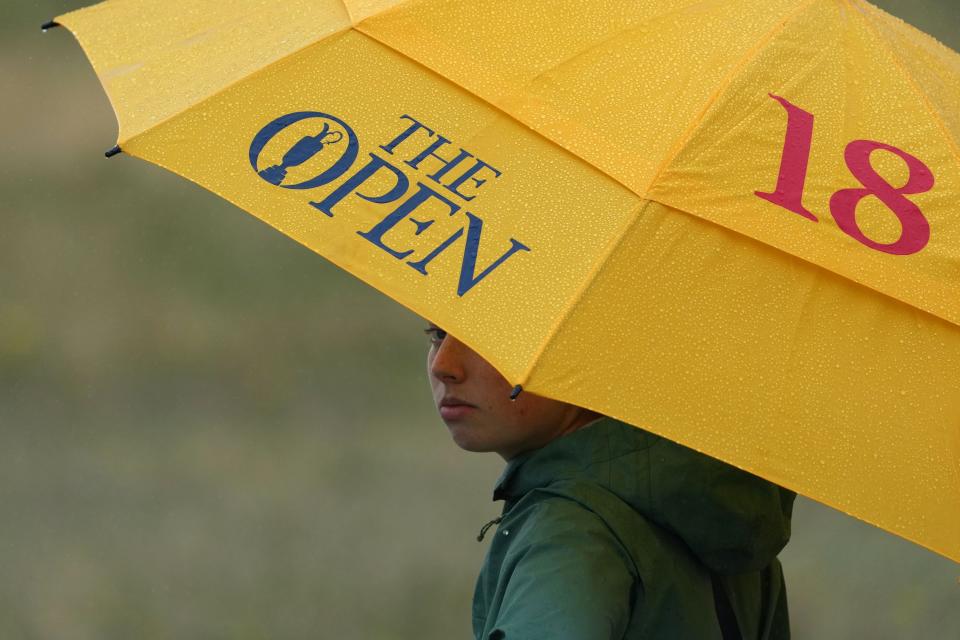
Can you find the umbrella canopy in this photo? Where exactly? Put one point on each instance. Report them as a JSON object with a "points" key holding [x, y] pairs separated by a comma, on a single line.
{"points": [[731, 222]]}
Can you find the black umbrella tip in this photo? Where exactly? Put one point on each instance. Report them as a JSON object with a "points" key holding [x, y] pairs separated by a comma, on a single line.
{"points": [[516, 392], [109, 153], [46, 26]]}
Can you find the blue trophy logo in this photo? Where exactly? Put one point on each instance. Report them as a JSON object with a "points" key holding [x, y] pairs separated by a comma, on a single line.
{"points": [[306, 148]]}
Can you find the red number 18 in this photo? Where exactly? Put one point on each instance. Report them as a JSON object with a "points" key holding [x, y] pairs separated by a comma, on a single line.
{"points": [[915, 230]]}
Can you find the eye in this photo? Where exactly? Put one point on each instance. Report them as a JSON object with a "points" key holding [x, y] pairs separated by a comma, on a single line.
{"points": [[436, 334]]}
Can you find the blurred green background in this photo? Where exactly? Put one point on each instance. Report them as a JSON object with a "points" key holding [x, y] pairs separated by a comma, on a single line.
{"points": [[207, 431]]}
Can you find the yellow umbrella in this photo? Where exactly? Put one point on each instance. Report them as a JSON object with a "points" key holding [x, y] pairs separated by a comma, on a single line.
{"points": [[733, 223]]}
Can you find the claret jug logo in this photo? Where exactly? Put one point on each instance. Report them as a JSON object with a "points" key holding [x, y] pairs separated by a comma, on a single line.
{"points": [[310, 150], [334, 136]]}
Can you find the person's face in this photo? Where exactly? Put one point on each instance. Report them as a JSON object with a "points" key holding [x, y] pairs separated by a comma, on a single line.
{"points": [[474, 401]]}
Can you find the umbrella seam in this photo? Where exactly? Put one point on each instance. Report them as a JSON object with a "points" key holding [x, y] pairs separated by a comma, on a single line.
{"points": [[346, 10], [924, 98], [618, 239], [226, 87], [502, 107], [594, 45], [722, 87], [124, 141], [939, 314]]}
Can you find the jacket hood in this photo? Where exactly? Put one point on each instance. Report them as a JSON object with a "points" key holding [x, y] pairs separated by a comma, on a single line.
{"points": [[734, 522]]}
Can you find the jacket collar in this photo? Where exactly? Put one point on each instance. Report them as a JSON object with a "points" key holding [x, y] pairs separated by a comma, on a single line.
{"points": [[733, 521], [568, 456]]}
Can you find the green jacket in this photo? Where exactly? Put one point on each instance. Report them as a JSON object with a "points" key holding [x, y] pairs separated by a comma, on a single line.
{"points": [[612, 533]]}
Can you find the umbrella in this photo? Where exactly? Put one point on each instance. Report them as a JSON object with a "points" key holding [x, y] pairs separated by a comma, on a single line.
{"points": [[731, 222]]}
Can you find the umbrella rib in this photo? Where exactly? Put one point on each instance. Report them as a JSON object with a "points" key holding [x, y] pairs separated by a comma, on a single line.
{"points": [[346, 9], [224, 88], [358, 28], [917, 89], [124, 138], [594, 45], [505, 110], [722, 87], [618, 239]]}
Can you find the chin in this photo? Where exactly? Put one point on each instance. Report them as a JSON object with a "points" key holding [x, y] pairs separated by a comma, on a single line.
{"points": [[462, 437]]}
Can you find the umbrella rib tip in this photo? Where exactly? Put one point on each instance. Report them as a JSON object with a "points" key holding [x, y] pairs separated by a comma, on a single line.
{"points": [[516, 392], [109, 153], [46, 26]]}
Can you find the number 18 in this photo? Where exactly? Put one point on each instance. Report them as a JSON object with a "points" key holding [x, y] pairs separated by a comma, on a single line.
{"points": [[788, 193]]}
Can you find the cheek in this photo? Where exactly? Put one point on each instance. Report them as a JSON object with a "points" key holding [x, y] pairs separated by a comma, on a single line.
{"points": [[537, 414], [515, 418]]}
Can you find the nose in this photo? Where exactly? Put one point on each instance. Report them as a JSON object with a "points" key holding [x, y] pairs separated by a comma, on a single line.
{"points": [[448, 360]]}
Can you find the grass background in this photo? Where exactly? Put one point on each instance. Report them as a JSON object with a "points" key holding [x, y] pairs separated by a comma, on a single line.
{"points": [[206, 431]]}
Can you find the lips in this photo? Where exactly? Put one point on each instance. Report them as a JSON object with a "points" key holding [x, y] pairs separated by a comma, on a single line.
{"points": [[452, 408], [451, 401]]}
